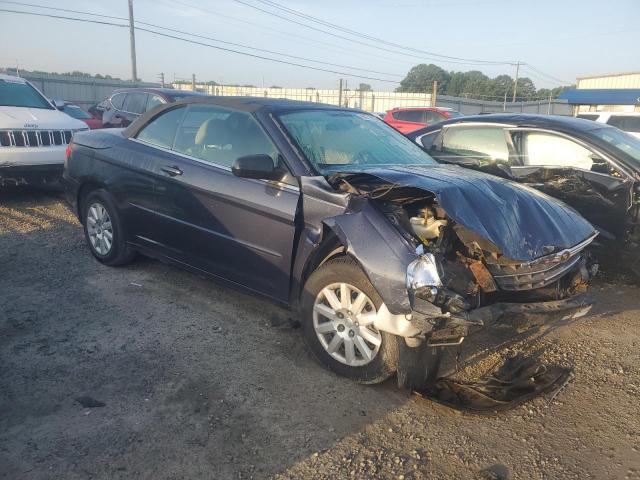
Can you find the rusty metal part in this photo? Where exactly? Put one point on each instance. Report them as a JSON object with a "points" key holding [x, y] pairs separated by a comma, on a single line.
{"points": [[483, 276]]}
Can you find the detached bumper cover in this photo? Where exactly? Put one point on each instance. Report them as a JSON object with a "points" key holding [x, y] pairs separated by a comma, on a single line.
{"points": [[456, 342], [526, 315]]}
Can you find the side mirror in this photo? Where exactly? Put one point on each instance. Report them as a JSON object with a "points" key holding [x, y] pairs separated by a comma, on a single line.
{"points": [[59, 104], [259, 167]]}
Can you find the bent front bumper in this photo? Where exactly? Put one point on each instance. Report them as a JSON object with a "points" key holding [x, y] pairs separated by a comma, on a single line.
{"points": [[454, 342]]}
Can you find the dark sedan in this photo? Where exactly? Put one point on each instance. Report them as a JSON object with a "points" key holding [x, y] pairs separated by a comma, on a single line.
{"points": [[127, 104], [593, 167], [392, 262]]}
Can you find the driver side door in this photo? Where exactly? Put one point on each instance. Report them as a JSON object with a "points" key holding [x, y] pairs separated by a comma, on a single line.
{"points": [[239, 229]]}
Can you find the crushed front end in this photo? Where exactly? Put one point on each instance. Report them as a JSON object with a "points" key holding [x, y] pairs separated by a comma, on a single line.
{"points": [[467, 298]]}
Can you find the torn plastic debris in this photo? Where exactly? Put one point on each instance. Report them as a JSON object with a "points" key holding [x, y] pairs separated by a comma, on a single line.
{"points": [[517, 381]]}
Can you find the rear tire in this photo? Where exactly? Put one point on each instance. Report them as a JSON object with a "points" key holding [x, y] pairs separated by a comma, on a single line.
{"points": [[337, 329], [104, 231]]}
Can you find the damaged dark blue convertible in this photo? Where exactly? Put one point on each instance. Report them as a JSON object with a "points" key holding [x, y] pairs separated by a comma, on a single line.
{"points": [[392, 262]]}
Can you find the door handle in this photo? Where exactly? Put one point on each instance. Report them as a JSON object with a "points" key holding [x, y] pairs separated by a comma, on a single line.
{"points": [[172, 171]]}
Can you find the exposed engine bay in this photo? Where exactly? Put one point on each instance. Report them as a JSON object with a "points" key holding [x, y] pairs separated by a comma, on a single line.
{"points": [[471, 271]]}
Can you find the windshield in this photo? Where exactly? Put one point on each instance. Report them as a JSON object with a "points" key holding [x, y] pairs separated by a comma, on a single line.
{"points": [[621, 141], [335, 140], [454, 114], [18, 94], [76, 112]]}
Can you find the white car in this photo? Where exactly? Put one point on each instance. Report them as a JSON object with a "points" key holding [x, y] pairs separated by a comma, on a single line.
{"points": [[626, 121], [33, 134]]}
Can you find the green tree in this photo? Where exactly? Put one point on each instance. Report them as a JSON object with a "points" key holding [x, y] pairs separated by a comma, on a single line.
{"points": [[456, 84], [421, 77], [526, 89], [500, 85], [365, 87]]}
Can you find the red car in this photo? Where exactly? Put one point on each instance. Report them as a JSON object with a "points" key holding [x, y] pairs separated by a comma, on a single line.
{"points": [[76, 112], [406, 120]]}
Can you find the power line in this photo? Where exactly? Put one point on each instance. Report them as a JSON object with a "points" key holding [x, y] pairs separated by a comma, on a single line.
{"points": [[65, 18], [279, 32], [266, 58], [370, 37], [529, 66], [546, 74], [266, 51], [396, 52], [215, 40], [22, 4], [201, 43]]}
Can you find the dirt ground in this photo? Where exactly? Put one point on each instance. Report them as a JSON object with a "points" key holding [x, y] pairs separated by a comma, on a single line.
{"points": [[200, 381]]}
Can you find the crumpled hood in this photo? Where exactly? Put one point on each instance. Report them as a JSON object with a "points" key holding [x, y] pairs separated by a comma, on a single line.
{"points": [[522, 222], [37, 119]]}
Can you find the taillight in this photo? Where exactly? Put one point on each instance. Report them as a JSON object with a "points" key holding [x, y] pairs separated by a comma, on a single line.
{"points": [[68, 151]]}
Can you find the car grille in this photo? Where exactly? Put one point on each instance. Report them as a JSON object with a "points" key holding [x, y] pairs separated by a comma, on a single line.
{"points": [[35, 138], [538, 273]]}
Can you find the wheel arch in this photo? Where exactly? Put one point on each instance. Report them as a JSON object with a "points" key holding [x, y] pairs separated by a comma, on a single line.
{"points": [[85, 189]]}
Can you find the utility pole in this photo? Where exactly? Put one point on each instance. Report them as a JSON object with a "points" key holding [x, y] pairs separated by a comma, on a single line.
{"points": [[515, 83], [504, 103], [132, 39], [161, 75], [193, 82], [434, 93], [340, 93]]}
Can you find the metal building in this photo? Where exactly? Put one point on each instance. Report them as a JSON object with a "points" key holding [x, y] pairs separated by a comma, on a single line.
{"points": [[619, 92]]}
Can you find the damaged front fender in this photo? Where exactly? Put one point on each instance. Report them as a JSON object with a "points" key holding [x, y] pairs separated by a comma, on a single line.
{"points": [[381, 251]]}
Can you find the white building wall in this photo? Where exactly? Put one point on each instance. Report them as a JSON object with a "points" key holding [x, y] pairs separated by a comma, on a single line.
{"points": [[622, 80], [368, 101]]}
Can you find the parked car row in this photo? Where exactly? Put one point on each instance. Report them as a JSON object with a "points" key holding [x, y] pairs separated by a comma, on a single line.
{"points": [[393, 259], [35, 131]]}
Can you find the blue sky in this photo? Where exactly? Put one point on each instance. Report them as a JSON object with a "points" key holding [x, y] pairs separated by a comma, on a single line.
{"points": [[563, 38]]}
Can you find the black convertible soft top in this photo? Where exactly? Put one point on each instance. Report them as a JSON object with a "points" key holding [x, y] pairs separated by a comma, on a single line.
{"points": [[245, 104]]}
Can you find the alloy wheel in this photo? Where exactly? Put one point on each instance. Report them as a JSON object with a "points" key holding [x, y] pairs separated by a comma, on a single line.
{"points": [[343, 319], [99, 228]]}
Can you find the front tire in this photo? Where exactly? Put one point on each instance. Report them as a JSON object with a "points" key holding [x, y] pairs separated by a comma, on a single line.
{"points": [[103, 229], [338, 305]]}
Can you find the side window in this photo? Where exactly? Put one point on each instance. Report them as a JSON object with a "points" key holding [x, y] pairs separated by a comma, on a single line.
{"points": [[433, 117], [416, 116], [426, 140], [586, 116], [154, 101], [118, 100], [161, 131], [219, 136], [135, 102], [484, 143], [546, 149], [626, 123]]}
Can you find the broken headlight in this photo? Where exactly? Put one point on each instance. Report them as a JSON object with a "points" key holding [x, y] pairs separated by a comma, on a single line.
{"points": [[423, 277], [424, 283]]}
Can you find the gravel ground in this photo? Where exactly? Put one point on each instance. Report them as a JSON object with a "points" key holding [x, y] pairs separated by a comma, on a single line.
{"points": [[200, 381]]}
